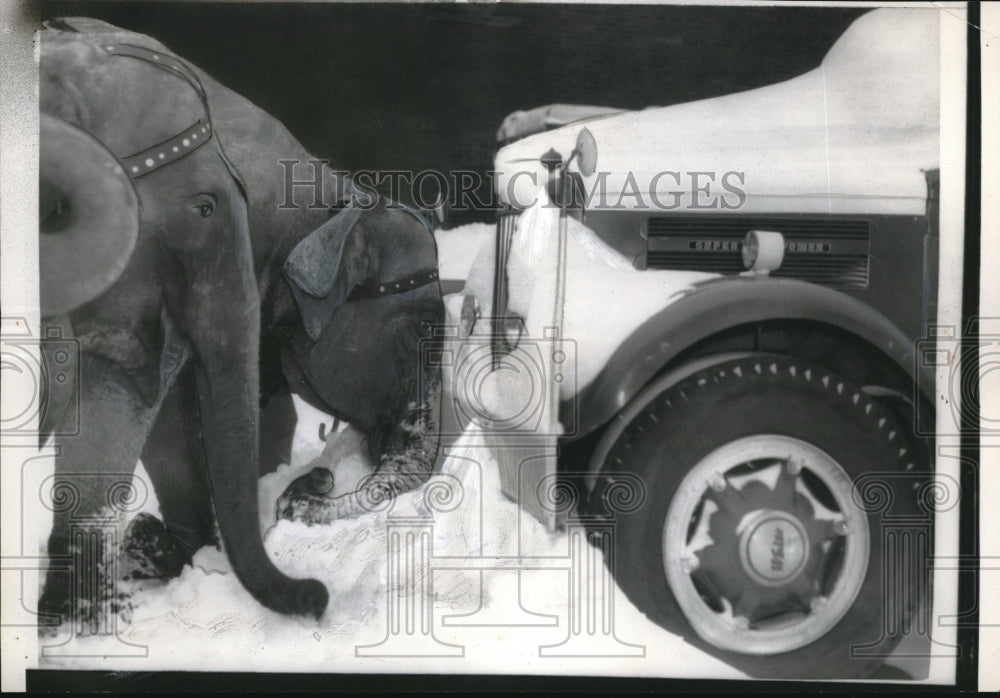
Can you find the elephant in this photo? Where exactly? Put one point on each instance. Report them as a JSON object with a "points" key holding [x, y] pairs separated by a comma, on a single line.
{"points": [[348, 302], [146, 261]]}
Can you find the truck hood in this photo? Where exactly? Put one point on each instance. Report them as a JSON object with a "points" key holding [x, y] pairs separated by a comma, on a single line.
{"points": [[855, 135]]}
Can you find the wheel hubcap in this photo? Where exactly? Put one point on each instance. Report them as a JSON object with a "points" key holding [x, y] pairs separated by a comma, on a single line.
{"points": [[774, 548], [764, 549]]}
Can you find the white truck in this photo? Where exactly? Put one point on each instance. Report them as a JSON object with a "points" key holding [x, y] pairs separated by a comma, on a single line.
{"points": [[720, 303]]}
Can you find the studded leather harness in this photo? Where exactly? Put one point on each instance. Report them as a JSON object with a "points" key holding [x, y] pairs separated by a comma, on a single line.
{"points": [[201, 132], [186, 141]]}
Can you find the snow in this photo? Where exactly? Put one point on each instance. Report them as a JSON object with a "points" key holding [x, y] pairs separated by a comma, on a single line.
{"points": [[607, 299], [458, 247], [481, 585], [853, 136], [205, 620]]}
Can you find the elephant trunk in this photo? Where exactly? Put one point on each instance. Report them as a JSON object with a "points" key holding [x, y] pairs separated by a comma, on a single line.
{"points": [[88, 217], [224, 335]]}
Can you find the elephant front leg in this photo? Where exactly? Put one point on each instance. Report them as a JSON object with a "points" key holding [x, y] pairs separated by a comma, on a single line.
{"points": [[91, 492], [174, 458], [277, 431]]}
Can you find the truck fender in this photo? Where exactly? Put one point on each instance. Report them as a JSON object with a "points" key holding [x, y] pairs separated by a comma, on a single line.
{"points": [[721, 304]]}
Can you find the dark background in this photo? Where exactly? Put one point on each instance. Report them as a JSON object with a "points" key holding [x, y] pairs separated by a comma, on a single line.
{"points": [[417, 86]]}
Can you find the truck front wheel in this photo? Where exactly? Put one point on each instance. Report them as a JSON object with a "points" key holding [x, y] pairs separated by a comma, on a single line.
{"points": [[763, 537]]}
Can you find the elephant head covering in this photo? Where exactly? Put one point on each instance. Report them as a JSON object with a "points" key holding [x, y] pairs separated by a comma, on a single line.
{"points": [[188, 140], [182, 143]]}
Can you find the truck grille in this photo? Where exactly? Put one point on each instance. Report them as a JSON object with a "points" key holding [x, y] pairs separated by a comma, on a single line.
{"points": [[832, 252]]}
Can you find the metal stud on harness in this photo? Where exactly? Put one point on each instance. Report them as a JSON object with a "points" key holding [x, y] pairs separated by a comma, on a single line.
{"points": [[201, 132], [413, 280], [186, 141], [400, 285]]}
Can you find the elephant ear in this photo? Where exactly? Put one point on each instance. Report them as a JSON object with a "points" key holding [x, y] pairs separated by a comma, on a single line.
{"points": [[327, 265]]}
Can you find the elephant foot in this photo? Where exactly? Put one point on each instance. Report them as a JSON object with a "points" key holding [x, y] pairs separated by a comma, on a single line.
{"points": [[88, 616], [304, 500], [150, 552], [305, 496], [53, 606], [88, 594]]}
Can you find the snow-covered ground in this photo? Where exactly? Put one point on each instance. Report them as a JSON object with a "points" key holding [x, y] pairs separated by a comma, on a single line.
{"points": [[485, 618], [452, 578], [474, 583]]}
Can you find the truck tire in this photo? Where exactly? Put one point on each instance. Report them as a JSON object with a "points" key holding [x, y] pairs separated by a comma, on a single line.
{"points": [[772, 486]]}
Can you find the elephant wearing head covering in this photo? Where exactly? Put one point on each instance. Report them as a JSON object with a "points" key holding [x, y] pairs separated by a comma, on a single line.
{"points": [[211, 299]]}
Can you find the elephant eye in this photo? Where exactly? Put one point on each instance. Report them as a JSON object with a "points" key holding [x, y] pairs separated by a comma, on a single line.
{"points": [[426, 327], [204, 204]]}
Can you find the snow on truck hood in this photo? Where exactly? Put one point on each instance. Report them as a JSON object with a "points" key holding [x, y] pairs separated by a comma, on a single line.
{"points": [[855, 135]]}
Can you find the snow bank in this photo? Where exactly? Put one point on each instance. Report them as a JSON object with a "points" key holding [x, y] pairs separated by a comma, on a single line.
{"points": [[607, 298], [470, 582], [458, 247], [485, 618]]}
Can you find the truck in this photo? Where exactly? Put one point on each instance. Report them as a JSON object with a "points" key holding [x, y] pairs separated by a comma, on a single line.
{"points": [[741, 285]]}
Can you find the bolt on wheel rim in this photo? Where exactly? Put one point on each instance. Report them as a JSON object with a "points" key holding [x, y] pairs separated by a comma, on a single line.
{"points": [[763, 547]]}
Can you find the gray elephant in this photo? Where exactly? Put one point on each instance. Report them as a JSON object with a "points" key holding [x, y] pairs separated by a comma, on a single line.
{"points": [[152, 272], [344, 299]]}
